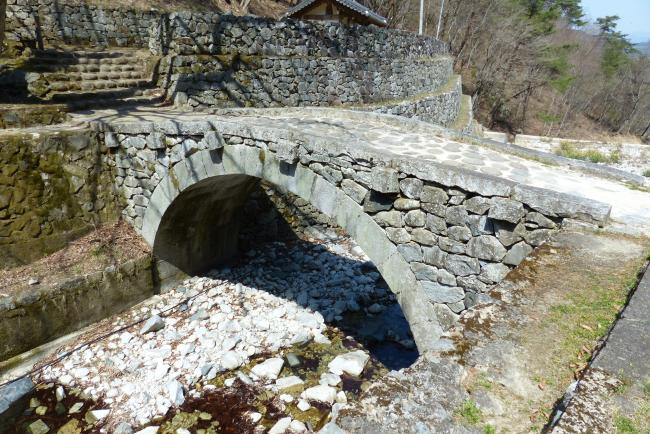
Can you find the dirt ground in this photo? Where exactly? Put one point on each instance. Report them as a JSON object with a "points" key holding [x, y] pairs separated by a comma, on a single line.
{"points": [[515, 359], [108, 245]]}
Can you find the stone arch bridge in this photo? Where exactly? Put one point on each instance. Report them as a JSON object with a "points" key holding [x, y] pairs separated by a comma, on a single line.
{"points": [[440, 232]]}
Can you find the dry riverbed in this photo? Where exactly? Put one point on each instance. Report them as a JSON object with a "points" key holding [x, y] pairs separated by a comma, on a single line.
{"points": [[245, 349]]}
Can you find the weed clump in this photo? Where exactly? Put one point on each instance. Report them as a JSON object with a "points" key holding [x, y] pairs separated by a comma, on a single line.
{"points": [[570, 150]]}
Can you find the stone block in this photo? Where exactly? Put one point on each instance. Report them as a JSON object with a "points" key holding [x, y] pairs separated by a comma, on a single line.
{"points": [[411, 187], [507, 210], [411, 252], [389, 218], [517, 253], [423, 236], [436, 195], [415, 218], [375, 202], [355, 191], [434, 256], [459, 233], [385, 180], [486, 247], [460, 265], [437, 293], [403, 204], [456, 216], [478, 204], [398, 235]]}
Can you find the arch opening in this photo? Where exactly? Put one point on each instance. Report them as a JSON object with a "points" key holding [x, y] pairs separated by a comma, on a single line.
{"points": [[242, 229]]}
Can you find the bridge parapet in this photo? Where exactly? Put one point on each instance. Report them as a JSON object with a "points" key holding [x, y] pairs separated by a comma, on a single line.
{"points": [[441, 236]]}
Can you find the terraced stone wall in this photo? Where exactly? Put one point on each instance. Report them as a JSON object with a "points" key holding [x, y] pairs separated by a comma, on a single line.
{"points": [[251, 62], [258, 81], [49, 22], [440, 236], [53, 188]]}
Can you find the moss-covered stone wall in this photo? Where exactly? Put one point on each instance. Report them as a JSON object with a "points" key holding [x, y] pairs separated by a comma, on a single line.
{"points": [[54, 186]]}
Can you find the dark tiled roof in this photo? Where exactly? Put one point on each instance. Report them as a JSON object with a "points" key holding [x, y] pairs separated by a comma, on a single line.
{"points": [[350, 4]]}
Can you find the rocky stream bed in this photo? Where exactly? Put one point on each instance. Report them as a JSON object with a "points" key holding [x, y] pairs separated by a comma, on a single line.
{"points": [[273, 344]]}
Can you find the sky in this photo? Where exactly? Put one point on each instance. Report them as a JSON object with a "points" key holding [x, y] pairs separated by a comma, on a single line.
{"points": [[635, 16]]}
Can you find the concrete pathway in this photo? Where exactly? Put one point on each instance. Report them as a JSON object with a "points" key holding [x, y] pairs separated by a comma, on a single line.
{"points": [[630, 207]]}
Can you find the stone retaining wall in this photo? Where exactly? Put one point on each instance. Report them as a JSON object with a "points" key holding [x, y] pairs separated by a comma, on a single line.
{"points": [[441, 107], [231, 81], [39, 314], [50, 22], [441, 236], [54, 186]]}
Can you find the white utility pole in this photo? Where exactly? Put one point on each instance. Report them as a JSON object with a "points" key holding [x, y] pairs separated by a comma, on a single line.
{"points": [[421, 17], [442, 6]]}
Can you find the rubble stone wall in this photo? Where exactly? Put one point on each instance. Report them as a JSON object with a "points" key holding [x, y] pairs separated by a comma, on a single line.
{"points": [[54, 186]]}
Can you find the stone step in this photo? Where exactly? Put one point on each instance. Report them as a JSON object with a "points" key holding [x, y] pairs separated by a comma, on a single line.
{"points": [[90, 54], [60, 77], [87, 86], [123, 60], [86, 68], [148, 97], [91, 96]]}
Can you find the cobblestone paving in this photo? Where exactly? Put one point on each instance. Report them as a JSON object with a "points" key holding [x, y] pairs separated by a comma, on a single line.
{"points": [[630, 207]]}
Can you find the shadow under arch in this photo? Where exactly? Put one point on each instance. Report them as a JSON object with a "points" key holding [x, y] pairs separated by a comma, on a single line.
{"points": [[190, 221]]}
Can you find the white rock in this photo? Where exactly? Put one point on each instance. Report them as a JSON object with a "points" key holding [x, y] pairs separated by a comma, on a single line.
{"points": [[175, 392], [281, 426], [183, 431], [303, 405], [341, 398], [285, 383], [148, 430], [231, 360], [319, 338], [286, 398], [93, 416], [349, 363], [33, 281], [153, 324], [320, 393], [76, 408], [269, 368], [60, 394], [297, 426], [329, 379], [255, 416]]}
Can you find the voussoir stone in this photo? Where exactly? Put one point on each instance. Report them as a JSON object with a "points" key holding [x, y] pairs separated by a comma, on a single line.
{"points": [[356, 191], [486, 247], [438, 293]]}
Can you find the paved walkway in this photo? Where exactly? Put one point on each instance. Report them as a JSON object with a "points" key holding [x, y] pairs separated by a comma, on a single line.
{"points": [[630, 207]]}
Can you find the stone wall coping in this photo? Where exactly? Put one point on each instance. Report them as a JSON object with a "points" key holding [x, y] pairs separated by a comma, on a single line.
{"points": [[544, 200]]}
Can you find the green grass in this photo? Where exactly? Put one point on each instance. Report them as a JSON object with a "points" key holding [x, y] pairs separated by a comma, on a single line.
{"points": [[570, 150], [489, 429], [646, 390], [647, 173], [625, 425], [469, 413]]}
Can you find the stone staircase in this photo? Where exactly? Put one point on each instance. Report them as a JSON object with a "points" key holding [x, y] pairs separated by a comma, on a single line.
{"points": [[83, 78]]}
